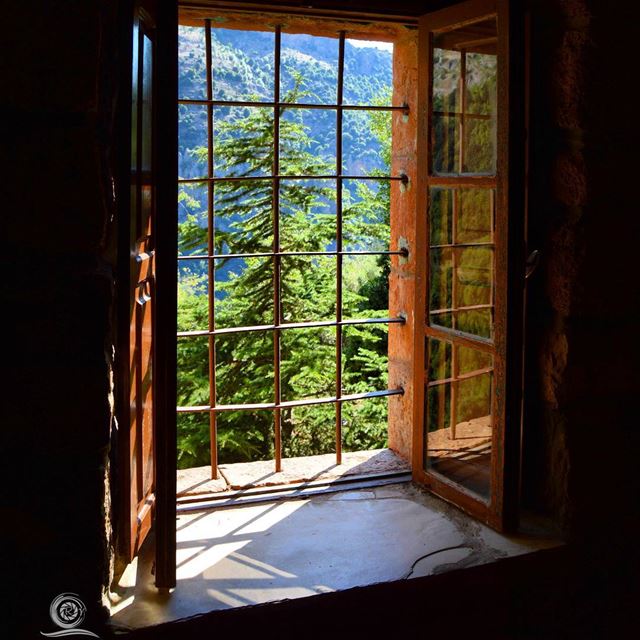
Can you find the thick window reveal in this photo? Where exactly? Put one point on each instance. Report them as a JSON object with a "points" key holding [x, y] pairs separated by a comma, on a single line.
{"points": [[267, 228]]}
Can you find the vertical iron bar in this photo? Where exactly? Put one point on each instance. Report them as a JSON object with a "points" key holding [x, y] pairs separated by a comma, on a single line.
{"points": [[277, 311], [213, 430], [339, 182]]}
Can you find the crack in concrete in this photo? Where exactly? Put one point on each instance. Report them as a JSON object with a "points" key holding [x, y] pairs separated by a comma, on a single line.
{"points": [[428, 555]]}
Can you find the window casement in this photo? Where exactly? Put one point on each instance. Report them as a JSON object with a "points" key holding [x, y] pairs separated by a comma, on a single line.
{"points": [[456, 251]]}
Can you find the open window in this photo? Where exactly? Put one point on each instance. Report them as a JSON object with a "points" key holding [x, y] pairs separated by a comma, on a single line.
{"points": [[284, 236], [453, 252]]}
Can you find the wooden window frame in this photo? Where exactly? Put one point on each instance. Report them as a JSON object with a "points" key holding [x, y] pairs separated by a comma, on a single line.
{"points": [[501, 510]]}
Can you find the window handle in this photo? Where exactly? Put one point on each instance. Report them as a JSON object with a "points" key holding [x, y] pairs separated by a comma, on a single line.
{"points": [[532, 263]]}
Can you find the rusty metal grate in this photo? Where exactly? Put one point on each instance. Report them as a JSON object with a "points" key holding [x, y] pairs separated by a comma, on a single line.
{"points": [[213, 408]]}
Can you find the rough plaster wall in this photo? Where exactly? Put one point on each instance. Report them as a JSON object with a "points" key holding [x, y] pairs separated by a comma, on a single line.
{"points": [[56, 295], [402, 276], [584, 299]]}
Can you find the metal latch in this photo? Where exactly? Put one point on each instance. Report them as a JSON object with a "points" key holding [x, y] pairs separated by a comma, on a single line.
{"points": [[532, 263]]}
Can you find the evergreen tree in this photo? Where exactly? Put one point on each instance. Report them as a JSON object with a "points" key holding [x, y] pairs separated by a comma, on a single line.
{"points": [[244, 296]]}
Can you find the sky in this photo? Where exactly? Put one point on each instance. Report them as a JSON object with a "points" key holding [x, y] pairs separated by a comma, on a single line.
{"points": [[385, 46]]}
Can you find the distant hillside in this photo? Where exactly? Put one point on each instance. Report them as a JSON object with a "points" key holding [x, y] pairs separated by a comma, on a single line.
{"points": [[243, 68]]}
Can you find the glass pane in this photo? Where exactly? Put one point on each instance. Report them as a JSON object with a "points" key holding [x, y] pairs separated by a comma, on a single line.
{"points": [[242, 64], [243, 292], [475, 215], [368, 69], [192, 218], [479, 146], [365, 215], [245, 436], [309, 431], [464, 100], [308, 288], [308, 142], [446, 80], [307, 215], [366, 143], [244, 368], [243, 216], [192, 69], [445, 141], [474, 219], [478, 322], [440, 280], [481, 80], [474, 276], [472, 360], [458, 416], [308, 363], [438, 359], [365, 286], [440, 216], [309, 69], [243, 141], [192, 141]]}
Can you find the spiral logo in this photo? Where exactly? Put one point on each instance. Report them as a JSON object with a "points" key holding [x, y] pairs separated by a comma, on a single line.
{"points": [[67, 611]]}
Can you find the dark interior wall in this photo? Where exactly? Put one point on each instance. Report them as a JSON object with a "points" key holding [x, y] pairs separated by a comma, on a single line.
{"points": [[582, 378], [582, 381], [56, 297]]}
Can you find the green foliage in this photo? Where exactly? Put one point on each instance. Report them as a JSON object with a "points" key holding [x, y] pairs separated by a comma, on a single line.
{"points": [[244, 295]]}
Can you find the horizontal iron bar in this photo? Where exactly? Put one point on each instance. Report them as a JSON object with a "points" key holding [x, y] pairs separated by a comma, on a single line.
{"points": [[295, 105], [225, 500], [292, 403], [402, 177], [258, 490], [290, 325], [271, 254]]}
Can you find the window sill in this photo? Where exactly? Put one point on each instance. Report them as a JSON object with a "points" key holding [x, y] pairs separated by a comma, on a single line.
{"points": [[293, 549]]}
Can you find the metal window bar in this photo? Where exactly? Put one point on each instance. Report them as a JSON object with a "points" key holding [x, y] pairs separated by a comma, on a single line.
{"points": [[211, 279], [276, 254], [305, 402], [269, 254], [339, 184], [293, 105], [277, 262], [290, 325], [403, 178]]}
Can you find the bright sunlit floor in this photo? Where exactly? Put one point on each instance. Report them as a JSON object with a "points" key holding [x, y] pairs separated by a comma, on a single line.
{"points": [[290, 549]]}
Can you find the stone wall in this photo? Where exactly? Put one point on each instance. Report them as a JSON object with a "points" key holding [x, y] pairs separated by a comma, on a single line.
{"points": [[581, 435]]}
